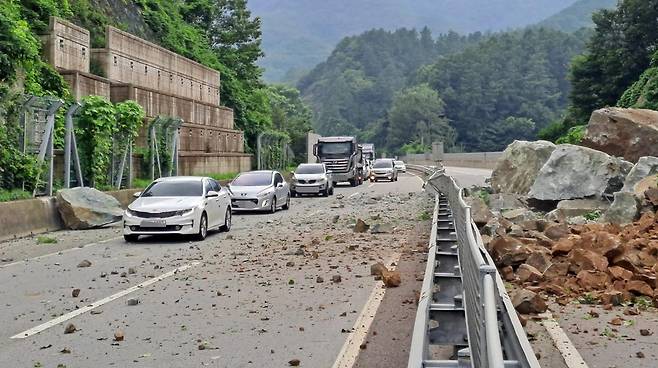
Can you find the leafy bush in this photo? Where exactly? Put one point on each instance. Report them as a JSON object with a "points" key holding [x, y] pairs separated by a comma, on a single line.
{"points": [[7, 195], [574, 135], [96, 124]]}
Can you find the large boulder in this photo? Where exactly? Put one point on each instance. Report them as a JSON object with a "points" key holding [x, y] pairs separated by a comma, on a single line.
{"points": [[645, 167], [517, 169], [579, 172], [85, 208], [479, 210], [500, 202], [629, 133], [624, 209]]}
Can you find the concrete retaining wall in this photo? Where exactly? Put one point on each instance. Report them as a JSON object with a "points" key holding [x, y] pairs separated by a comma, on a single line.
{"points": [[40, 215], [478, 160]]}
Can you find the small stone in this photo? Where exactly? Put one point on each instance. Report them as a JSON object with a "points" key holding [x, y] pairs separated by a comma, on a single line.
{"points": [[65, 351], [84, 263], [75, 293], [290, 264], [294, 362], [391, 278], [319, 280], [336, 279], [118, 335], [361, 226], [132, 270], [378, 269], [70, 328], [639, 354], [132, 302], [645, 332]]}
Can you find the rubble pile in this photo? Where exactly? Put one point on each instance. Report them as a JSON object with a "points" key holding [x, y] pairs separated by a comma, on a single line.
{"points": [[573, 222]]}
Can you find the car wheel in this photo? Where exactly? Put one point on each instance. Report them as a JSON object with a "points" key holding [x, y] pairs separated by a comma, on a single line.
{"points": [[334, 183], [324, 193], [131, 238], [287, 205], [273, 205], [293, 193], [227, 220], [331, 191], [203, 227]]}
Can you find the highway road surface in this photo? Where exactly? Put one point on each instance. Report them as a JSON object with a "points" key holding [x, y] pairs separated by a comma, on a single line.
{"points": [[278, 288]]}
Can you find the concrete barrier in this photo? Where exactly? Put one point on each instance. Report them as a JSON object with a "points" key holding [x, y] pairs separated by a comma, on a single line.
{"points": [[40, 215], [477, 160]]}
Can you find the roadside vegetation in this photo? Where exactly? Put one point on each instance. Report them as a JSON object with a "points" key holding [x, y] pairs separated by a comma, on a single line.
{"points": [[220, 34]]}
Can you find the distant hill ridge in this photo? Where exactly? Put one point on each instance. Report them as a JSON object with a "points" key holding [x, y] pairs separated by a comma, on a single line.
{"points": [[577, 16]]}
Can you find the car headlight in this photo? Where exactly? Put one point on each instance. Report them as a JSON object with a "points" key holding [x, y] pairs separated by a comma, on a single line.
{"points": [[264, 193], [186, 212], [131, 212]]}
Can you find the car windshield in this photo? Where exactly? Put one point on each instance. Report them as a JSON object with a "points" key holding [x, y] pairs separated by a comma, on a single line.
{"points": [[253, 180], [382, 164], [309, 169], [174, 189], [339, 148], [399, 163]]}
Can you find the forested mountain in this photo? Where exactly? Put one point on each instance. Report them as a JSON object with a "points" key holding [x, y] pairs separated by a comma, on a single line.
{"points": [[490, 89], [297, 35], [617, 64], [577, 16]]}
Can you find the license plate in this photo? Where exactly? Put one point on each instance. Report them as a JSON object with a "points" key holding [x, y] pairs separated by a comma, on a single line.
{"points": [[153, 223]]}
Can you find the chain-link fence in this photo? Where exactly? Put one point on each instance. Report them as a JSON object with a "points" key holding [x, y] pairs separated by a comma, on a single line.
{"points": [[273, 151]]}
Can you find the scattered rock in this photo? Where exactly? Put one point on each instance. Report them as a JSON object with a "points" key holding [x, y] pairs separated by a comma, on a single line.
{"points": [[84, 208], [645, 332], [378, 269], [381, 229], [639, 287], [528, 302], [580, 207], [75, 293], [507, 251], [294, 362], [319, 280], [479, 210], [592, 280], [361, 226], [527, 273], [84, 263], [391, 278], [132, 302], [70, 328], [336, 279], [118, 335]]}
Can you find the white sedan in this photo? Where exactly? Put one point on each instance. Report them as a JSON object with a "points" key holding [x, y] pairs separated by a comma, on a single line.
{"points": [[184, 205]]}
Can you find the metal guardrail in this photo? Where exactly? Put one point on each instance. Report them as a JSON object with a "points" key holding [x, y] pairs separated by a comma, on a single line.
{"points": [[479, 306]]}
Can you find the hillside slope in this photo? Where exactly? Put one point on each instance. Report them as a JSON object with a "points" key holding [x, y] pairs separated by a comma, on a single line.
{"points": [[300, 34], [577, 16]]}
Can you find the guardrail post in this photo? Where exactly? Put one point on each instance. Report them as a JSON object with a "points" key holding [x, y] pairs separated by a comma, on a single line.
{"points": [[491, 336], [464, 358]]}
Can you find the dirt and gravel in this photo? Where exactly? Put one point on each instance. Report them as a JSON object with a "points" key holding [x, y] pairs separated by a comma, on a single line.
{"points": [[276, 289]]}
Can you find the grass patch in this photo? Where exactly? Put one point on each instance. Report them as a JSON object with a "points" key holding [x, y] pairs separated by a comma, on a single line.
{"points": [[141, 183], [223, 176], [425, 216], [483, 195], [46, 240], [7, 195], [588, 298], [593, 216]]}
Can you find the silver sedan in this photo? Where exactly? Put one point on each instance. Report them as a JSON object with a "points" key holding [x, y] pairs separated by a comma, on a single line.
{"points": [[263, 190], [178, 205]]}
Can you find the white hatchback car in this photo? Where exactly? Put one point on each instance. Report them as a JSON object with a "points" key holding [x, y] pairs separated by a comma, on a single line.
{"points": [[185, 205]]}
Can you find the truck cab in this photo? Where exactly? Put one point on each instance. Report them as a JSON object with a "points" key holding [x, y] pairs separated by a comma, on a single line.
{"points": [[343, 158]]}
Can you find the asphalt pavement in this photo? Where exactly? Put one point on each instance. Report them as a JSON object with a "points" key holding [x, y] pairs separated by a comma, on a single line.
{"points": [[275, 289]]}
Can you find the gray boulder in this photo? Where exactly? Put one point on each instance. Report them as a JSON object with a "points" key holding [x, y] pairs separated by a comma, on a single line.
{"points": [[516, 170], [624, 209], [85, 208], [499, 202], [579, 172], [581, 207], [645, 167], [479, 210]]}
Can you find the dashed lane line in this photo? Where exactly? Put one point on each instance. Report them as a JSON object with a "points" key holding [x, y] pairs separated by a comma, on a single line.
{"points": [[569, 353], [77, 312], [352, 346], [61, 252]]}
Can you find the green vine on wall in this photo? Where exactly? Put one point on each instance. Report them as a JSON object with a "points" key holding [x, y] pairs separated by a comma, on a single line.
{"points": [[96, 124]]}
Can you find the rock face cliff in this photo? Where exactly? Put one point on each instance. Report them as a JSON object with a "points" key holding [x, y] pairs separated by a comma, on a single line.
{"points": [[628, 133]]}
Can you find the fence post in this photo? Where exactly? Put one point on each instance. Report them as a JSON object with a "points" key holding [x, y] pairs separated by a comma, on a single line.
{"points": [[68, 143]]}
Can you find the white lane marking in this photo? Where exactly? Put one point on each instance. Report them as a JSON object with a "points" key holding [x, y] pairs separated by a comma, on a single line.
{"points": [[353, 194], [352, 346], [61, 252], [569, 353], [77, 312], [422, 181]]}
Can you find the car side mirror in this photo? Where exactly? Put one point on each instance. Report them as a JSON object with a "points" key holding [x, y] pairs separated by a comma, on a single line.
{"points": [[280, 185], [137, 194], [211, 194]]}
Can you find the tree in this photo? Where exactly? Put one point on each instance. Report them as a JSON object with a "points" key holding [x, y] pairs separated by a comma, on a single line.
{"points": [[292, 116], [417, 115], [618, 53]]}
